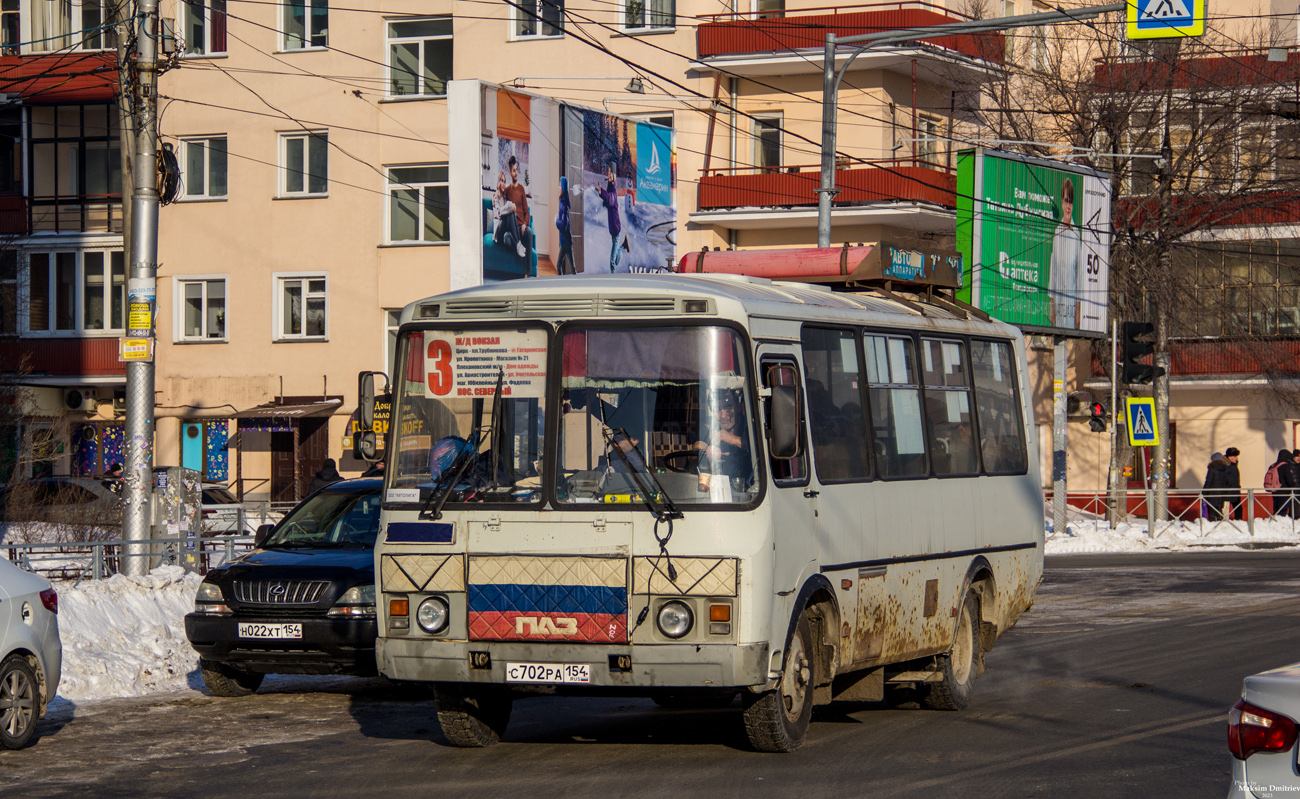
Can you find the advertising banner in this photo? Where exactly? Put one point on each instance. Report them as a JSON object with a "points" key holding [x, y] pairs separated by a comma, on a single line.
{"points": [[559, 189], [1037, 236]]}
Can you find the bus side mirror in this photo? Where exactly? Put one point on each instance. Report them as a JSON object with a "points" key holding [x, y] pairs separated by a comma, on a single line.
{"points": [[365, 444], [783, 427], [259, 538]]}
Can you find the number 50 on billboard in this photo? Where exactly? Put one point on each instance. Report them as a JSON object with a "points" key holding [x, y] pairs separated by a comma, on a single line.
{"points": [[1037, 236]]}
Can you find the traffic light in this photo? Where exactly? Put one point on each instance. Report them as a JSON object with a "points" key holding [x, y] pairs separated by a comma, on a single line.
{"points": [[1098, 420], [1132, 348]]}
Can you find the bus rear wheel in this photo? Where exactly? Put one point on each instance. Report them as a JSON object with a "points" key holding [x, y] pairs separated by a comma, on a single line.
{"points": [[961, 665], [777, 720], [471, 717]]}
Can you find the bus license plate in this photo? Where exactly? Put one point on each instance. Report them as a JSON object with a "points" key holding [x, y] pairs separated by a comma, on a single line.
{"points": [[548, 672], [273, 631]]}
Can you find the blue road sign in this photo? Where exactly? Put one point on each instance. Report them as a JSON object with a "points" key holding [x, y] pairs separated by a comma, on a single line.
{"points": [[1158, 19], [1140, 412]]}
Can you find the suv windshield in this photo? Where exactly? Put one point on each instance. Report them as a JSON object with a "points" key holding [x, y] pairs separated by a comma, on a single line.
{"points": [[445, 414], [329, 519]]}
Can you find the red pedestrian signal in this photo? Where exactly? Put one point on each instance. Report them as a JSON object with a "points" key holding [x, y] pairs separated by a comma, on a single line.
{"points": [[1098, 420]]}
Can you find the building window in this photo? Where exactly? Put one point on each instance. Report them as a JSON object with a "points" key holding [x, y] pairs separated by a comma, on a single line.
{"points": [[305, 163], [649, 14], [419, 57], [301, 305], [927, 141], [306, 26], [539, 18], [75, 167], [68, 25], [392, 321], [767, 9], [203, 26], [10, 27], [8, 292], [767, 141], [75, 292], [1038, 48], [201, 308], [203, 168], [417, 207]]}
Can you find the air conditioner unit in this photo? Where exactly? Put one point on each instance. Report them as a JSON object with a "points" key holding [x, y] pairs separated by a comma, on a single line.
{"points": [[79, 399], [119, 406]]}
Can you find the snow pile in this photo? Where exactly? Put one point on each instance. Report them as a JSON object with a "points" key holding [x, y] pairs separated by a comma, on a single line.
{"points": [[125, 636], [1093, 535]]}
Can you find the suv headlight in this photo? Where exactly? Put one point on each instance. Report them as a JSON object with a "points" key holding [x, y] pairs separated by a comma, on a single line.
{"points": [[357, 601], [210, 601]]}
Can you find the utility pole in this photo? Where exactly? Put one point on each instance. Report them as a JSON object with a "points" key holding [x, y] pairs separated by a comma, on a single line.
{"points": [[142, 282]]}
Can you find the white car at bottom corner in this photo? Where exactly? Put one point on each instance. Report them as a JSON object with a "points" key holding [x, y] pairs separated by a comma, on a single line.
{"points": [[1262, 733], [31, 654]]}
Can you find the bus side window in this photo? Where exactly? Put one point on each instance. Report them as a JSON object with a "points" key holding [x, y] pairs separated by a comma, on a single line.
{"points": [[948, 407], [894, 392], [997, 400], [839, 436], [791, 471]]}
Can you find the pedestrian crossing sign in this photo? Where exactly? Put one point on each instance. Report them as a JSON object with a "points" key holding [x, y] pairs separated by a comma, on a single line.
{"points": [[1165, 19], [1140, 412]]}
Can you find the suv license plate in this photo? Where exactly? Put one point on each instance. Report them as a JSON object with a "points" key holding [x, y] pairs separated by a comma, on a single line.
{"points": [[273, 631], [548, 672]]}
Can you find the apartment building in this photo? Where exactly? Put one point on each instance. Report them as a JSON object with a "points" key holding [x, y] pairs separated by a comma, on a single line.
{"points": [[311, 150]]}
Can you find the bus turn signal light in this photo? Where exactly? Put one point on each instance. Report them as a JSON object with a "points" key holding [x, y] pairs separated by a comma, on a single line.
{"points": [[719, 612], [399, 607]]}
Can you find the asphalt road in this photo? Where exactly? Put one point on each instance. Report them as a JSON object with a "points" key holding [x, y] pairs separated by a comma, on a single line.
{"points": [[1117, 684]]}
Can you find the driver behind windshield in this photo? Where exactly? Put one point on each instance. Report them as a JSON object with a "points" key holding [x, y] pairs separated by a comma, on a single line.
{"points": [[724, 443]]}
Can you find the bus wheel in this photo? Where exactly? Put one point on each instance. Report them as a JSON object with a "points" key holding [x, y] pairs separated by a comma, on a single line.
{"points": [[961, 665], [472, 717], [777, 720]]}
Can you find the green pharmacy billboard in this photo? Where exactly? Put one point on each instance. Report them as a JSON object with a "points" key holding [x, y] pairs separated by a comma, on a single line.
{"points": [[1036, 234]]}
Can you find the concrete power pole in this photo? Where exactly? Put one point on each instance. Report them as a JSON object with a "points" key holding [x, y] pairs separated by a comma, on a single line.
{"points": [[142, 282]]}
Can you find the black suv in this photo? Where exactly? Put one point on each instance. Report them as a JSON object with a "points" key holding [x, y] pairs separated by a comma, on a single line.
{"points": [[302, 602]]}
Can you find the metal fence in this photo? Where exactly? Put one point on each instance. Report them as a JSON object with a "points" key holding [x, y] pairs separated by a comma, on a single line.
{"points": [[242, 519], [1191, 509], [96, 560]]}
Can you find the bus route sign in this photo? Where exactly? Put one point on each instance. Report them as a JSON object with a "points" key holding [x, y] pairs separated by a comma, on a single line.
{"points": [[1140, 413], [1165, 19]]}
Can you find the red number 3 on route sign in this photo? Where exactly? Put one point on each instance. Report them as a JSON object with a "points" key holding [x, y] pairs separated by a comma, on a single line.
{"points": [[440, 375]]}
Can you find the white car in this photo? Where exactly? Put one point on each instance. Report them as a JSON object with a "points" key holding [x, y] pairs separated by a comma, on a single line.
{"points": [[31, 654], [1262, 735]]}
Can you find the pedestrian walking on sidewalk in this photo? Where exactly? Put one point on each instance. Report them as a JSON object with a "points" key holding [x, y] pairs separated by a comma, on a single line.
{"points": [[1281, 479], [1215, 491]]}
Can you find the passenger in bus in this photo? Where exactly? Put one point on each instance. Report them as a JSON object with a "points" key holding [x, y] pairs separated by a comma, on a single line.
{"points": [[724, 445]]}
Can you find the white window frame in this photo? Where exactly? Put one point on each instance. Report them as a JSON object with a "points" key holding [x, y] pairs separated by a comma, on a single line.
{"points": [[306, 136], [44, 35], [536, 6], [769, 116], [391, 187], [291, 43], [183, 160], [179, 334], [929, 133], [279, 280], [392, 320], [424, 42], [78, 330], [205, 48], [645, 13]]}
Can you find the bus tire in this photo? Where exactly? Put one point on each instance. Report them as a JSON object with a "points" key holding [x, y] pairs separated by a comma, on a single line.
{"points": [[777, 720], [472, 718], [961, 665]]}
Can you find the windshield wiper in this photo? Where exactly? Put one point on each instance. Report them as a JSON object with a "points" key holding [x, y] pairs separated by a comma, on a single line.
{"points": [[432, 508], [656, 499]]}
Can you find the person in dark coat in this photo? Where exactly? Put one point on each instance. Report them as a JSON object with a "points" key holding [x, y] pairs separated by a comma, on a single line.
{"points": [[1294, 484], [1233, 495], [1287, 476], [1216, 481], [328, 473]]}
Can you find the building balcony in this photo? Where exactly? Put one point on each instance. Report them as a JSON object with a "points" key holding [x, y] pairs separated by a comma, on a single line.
{"points": [[754, 44], [36, 358], [60, 78], [87, 213], [1210, 362], [908, 193]]}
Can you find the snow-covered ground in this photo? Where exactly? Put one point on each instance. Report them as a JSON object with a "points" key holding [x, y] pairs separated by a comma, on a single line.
{"points": [[125, 636]]}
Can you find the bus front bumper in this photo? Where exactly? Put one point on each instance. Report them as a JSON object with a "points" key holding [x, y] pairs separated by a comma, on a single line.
{"points": [[625, 666]]}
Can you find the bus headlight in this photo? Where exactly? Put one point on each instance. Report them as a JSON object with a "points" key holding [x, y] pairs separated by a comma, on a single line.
{"points": [[675, 619], [433, 615]]}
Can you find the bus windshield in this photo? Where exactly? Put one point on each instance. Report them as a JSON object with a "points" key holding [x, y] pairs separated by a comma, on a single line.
{"points": [[678, 396], [446, 417]]}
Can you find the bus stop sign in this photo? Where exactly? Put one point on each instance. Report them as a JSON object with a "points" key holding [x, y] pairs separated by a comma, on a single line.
{"points": [[1165, 19], [1140, 412]]}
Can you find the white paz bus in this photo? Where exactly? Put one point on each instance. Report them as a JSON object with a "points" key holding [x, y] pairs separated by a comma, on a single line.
{"points": [[695, 488]]}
